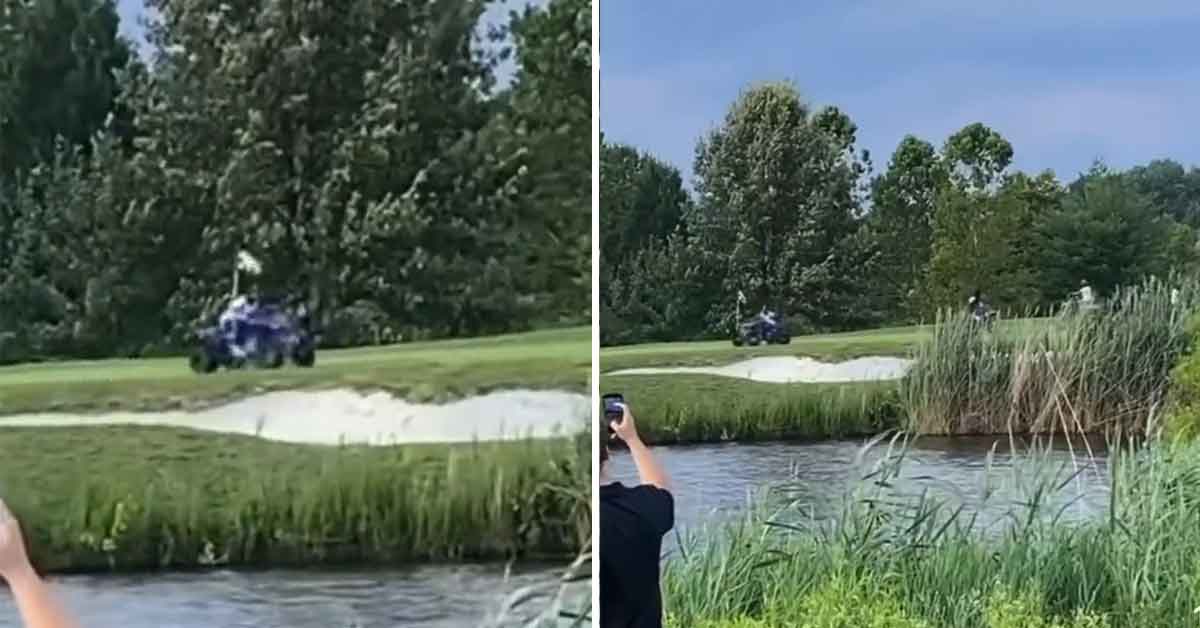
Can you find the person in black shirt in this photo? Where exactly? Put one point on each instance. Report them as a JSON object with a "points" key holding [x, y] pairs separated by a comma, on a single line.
{"points": [[633, 520]]}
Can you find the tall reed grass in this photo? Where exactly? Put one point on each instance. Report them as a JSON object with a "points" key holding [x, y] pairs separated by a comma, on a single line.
{"points": [[128, 498], [1103, 371], [677, 409], [906, 561]]}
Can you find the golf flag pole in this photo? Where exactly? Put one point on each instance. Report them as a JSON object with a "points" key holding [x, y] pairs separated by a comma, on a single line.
{"points": [[247, 263]]}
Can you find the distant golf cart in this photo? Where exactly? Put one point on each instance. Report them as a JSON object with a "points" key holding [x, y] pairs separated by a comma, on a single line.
{"points": [[766, 327]]}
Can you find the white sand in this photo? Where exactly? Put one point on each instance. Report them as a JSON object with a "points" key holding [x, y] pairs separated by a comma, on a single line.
{"points": [[335, 416], [788, 370]]}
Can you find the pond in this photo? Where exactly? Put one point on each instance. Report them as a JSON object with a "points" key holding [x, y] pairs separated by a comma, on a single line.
{"points": [[435, 596], [981, 474]]}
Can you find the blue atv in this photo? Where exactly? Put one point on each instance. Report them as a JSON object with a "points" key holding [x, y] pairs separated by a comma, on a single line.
{"points": [[263, 335], [765, 327]]}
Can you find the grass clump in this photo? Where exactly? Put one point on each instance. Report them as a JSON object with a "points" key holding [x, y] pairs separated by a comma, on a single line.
{"points": [[677, 409], [841, 602], [131, 498], [925, 562], [1105, 371]]}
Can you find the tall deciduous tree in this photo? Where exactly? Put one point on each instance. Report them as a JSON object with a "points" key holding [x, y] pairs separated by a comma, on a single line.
{"points": [[552, 106], [903, 200], [1107, 233], [58, 60], [777, 192], [358, 149], [642, 201]]}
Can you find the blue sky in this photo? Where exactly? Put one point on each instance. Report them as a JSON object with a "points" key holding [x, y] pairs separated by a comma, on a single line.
{"points": [[1066, 81]]}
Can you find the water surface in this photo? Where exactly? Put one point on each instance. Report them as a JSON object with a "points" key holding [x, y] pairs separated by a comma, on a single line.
{"points": [[437, 597], [981, 474]]}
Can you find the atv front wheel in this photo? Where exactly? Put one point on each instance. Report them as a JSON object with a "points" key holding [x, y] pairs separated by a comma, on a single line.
{"points": [[270, 359], [753, 341], [304, 357], [785, 339], [201, 362], [737, 341]]}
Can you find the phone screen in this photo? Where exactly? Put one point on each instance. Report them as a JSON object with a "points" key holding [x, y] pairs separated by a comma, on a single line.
{"points": [[612, 407]]}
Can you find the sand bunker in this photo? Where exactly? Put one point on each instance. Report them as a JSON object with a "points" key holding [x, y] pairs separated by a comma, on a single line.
{"points": [[789, 370], [335, 416]]}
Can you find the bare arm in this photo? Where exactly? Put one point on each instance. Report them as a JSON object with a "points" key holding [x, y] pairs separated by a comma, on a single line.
{"points": [[34, 600], [649, 471], [36, 603]]}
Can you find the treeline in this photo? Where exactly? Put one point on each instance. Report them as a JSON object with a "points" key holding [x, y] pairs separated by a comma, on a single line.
{"points": [[788, 211], [362, 150]]}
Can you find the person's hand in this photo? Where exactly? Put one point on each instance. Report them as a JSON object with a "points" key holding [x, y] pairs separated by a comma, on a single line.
{"points": [[625, 428], [13, 559]]}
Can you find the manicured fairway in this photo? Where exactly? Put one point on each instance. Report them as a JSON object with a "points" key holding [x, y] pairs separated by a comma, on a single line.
{"points": [[427, 371]]}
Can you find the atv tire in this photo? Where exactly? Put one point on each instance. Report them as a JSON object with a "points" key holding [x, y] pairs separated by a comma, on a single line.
{"points": [[201, 362], [753, 340], [304, 357], [737, 341], [271, 359], [785, 339]]}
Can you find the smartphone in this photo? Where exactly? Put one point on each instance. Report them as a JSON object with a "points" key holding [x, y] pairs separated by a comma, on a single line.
{"points": [[613, 408]]}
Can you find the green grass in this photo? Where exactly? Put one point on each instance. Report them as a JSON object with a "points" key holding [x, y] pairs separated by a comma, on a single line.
{"points": [[691, 408], [426, 371], [131, 498], [704, 408], [1106, 371], [897, 560], [891, 341]]}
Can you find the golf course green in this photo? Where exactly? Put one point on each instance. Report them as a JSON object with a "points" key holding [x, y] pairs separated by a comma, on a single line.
{"points": [[130, 497], [419, 372], [697, 408]]}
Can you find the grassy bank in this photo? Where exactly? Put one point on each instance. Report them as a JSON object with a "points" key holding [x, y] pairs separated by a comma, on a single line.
{"points": [[703, 408], [1102, 372], [1106, 371], [128, 498], [902, 562], [427, 371], [891, 341], [686, 408]]}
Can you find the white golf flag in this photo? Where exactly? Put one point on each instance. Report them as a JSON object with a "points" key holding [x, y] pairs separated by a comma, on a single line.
{"points": [[248, 263]]}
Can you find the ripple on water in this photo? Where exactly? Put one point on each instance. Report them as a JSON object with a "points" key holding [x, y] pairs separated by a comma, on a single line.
{"points": [[438, 597], [721, 478]]}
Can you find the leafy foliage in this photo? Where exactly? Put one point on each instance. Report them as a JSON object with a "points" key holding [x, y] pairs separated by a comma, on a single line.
{"points": [[360, 150], [779, 213]]}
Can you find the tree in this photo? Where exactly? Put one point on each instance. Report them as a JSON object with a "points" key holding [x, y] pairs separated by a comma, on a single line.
{"points": [[357, 149], [58, 60], [1107, 233], [977, 156], [903, 201], [642, 201], [777, 194], [1170, 188], [552, 106]]}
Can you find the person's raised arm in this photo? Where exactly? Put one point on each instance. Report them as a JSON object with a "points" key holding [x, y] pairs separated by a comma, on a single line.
{"points": [[649, 471], [34, 600]]}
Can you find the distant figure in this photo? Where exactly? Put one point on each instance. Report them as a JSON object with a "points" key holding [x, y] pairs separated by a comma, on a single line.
{"points": [[1086, 296], [1174, 296], [976, 306]]}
